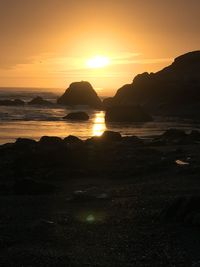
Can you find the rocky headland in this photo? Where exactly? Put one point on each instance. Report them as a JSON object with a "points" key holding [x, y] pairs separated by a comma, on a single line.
{"points": [[173, 91]]}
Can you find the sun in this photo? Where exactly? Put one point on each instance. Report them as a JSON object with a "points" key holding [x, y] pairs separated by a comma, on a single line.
{"points": [[98, 62]]}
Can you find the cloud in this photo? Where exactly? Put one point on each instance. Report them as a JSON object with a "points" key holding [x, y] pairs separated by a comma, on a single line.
{"points": [[129, 59]]}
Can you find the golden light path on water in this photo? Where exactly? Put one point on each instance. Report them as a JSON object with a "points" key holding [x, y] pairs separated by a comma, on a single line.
{"points": [[99, 124], [37, 122]]}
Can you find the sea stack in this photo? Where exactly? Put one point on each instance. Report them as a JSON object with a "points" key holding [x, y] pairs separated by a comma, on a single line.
{"points": [[80, 93]]}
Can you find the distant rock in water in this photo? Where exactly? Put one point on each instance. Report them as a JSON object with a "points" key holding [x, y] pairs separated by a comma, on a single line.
{"points": [[80, 93], [15, 102], [40, 101], [126, 114], [77, 116], [175, 90]]}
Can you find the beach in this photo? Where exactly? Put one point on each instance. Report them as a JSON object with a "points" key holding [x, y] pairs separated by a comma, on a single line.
{"points": [[100, 202]]}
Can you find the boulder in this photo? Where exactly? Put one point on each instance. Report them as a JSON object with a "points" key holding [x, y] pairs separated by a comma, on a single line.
{"points": [[40, 101], [25, 142], [77, 116], [126, 114], [71, 139], [80, 93], [50, 141], [107, 136], [111, 136]]}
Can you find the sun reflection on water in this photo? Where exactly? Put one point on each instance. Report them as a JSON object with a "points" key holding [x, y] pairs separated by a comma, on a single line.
{"points": [[99, 124]]}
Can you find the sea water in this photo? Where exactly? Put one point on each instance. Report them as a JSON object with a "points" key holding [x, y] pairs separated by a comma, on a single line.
{"points": [[36, 121]]}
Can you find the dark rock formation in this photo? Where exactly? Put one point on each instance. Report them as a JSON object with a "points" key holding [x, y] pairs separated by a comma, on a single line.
{"points": [[71, 139], [77, 116], [50, 140], [175, 90], [80, 93], [25, 142], [15, 102], [40, 101], [126, 114], [106, 137], [111, 136]]}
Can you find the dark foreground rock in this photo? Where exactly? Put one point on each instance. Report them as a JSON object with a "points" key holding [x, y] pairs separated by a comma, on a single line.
{"points": [[71, 139], [50, 141], [77, 116], [110, 136], [126, 114], [40, 101], [107, 138], [24, 142], [80, 93]]}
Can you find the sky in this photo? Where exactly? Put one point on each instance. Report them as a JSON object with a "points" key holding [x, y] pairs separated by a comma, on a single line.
{"points": [[47, 43]]}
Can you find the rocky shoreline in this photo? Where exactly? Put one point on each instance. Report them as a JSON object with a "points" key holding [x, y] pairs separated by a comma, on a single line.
{"points": [[110, 155], [105, 201]]}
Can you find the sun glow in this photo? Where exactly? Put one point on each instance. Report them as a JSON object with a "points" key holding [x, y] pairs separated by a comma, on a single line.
{"points": [[98, 62]]}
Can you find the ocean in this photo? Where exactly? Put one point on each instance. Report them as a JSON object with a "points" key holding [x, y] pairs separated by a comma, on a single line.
{"points": [[36, 121]]}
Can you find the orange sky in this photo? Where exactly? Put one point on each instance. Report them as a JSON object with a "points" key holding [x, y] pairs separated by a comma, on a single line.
{"points": [[46, 43]]}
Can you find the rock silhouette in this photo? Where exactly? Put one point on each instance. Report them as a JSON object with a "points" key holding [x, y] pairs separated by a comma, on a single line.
{"points": [[126, 114], [175, 90], [80, 93], [77, 116], [40, 101]]}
